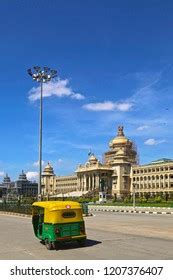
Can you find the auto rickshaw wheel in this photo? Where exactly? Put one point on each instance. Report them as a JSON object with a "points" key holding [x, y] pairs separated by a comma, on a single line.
{"points": [[54, 245], [48, 244]]}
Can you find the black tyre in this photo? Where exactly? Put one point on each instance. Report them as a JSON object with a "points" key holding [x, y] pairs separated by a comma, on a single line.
{"points": [[48, 244], [54, 245]]}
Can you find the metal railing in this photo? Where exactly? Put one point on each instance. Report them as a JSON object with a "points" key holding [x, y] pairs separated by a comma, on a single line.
{"points": [[27, 208], [24, 209]]}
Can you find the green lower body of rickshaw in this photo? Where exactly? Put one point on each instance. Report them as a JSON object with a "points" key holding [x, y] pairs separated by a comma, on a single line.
{"points": [[52, 234]]}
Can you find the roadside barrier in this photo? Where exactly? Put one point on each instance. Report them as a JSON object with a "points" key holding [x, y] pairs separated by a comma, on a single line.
{"points": [[130, 209], [23, 209], [27, 209]]}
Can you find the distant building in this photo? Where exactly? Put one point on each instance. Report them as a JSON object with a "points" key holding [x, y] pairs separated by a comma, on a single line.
{"points": [[52, 184], [114, 173], [91, 173], [118, 175], [25, 187], [6, 185], [153, 178], [121, 156], [22, 186]]}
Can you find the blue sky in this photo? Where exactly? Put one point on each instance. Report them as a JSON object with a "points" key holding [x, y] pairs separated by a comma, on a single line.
{"points": [[115, 66]]}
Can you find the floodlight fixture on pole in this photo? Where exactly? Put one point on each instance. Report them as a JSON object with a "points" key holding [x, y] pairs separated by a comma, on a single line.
{"points": [[41, 75]]}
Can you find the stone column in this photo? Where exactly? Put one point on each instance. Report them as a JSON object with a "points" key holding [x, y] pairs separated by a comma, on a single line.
{"points": [[159, 183], [93, 176], [97, 181], [89, 182], [78, 182], [84, 182]]}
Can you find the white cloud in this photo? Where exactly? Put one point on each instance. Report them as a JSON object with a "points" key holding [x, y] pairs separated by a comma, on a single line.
{"points": [[58, 87], [142, 127], [36, 163], [32, 175], [2, 173], [60, 160], [152, 141], [109, 106], [77, 96]]}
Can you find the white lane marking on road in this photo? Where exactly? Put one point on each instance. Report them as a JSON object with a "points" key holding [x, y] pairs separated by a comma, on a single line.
{"points": [[28, 252]]}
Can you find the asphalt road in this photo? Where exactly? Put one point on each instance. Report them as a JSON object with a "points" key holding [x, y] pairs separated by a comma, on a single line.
{"points": [[110, 236]]}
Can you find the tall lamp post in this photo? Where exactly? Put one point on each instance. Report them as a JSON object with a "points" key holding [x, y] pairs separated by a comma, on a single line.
{"points": [[134, 202], [41, 75]]}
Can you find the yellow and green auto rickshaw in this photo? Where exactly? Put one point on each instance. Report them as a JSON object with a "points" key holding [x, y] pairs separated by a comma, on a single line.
{"points": [[58, 221]]}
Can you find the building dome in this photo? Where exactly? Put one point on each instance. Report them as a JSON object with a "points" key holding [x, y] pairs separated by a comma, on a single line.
{"points": [[93, 159], [22, 176], [120, 138], [6, 179], [48, 170], [120, 153]]}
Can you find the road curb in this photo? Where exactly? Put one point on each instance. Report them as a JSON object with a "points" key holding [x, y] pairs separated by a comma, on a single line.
{"points": [[15, 214], [132, 211]]}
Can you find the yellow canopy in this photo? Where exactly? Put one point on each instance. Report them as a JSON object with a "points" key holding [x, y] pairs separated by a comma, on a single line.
{"points": [[57, 205], [53, 211]]}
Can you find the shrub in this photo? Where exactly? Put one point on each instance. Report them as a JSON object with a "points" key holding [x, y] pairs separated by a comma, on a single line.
{"points": [[158, 199], [143, 200], [94, 199], [126, 200]]}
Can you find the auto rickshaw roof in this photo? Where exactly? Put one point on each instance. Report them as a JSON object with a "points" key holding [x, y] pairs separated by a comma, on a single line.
{"points": [[57, 205]]}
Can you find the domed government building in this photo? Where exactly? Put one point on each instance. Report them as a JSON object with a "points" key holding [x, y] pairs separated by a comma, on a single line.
{"points": [[117, 175]]}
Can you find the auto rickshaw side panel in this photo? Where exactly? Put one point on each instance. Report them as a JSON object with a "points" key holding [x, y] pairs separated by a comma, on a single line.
{"points": [[64, 231]]}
